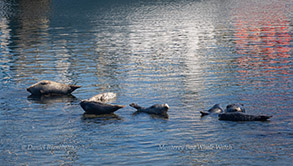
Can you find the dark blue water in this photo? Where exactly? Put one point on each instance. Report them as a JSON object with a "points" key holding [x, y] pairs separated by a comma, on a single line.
{"points": [[189, 54]]}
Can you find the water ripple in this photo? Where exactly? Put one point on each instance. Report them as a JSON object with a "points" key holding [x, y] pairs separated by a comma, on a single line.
{"points": [[188, 54]]}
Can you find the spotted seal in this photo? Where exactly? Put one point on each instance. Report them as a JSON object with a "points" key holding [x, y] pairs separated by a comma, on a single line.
{"points": [[216, 109], [158, 109], [103, 97], [46, 87], [239, 116], [236, 112], [97, 108]]}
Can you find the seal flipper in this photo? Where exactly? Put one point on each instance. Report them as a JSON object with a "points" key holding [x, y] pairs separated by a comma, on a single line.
{"points": [[135, 106], [74, 87], [263, 117], [203, 113], [119, 106]]}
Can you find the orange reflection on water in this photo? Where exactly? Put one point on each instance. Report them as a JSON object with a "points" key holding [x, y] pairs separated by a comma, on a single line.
{"points": [[263, 38]]}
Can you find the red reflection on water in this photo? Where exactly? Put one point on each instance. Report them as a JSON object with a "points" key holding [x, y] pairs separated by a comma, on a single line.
{"points": [[263, 38]]}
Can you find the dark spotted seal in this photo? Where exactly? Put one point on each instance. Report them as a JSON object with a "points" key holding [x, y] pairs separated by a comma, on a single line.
{"points": [[216, 109], [239, 116], [103, 97], [158, 109], [46, 87], [97, 108], [235, 108]]}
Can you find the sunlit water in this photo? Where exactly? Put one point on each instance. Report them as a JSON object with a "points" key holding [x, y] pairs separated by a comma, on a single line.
{"points": [[189, 54]]}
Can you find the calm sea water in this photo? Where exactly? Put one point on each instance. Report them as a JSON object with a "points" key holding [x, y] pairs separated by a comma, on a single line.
{"points": [[189, 54]]}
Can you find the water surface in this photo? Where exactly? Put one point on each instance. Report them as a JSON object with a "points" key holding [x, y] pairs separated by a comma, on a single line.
{"points": [[189, 54]]}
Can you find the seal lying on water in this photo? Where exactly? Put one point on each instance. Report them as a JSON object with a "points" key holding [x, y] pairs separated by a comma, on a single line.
{"points": [[93, 107], [103, 97], [216, 109], [239, 116], [235, 108], [158, 109], [236, 112], [46, 87]]}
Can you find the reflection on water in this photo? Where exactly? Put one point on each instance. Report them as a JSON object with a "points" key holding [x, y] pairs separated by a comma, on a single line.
{"points": [[52, 99], [265, 42], [266, 48], [155, 116], [189, 54], [101, 119]]}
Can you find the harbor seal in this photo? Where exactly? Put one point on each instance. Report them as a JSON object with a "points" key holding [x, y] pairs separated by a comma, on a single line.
{"points": [[236, 112], [158, 109], [216, 109], [46, 87], [97, 108], [103, 97], [239, 116], [235, 108]]}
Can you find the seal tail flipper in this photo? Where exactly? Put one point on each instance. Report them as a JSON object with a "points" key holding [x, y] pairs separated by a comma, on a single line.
{"points": [[29, 89], [120, 106], [264, 118], [203, 113], [73, 87], [135, 106]]}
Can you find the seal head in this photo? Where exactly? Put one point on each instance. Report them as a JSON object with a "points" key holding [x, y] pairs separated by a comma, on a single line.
{"points": [[235, 108]]}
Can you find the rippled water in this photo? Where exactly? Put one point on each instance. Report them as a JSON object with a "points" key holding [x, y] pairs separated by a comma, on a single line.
{"points": [[189, 54]]}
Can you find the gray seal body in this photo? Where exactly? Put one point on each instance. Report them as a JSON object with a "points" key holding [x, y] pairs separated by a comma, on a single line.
{"points": [[158, 109], [98, 108], [46, 87], [239, 116]]}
